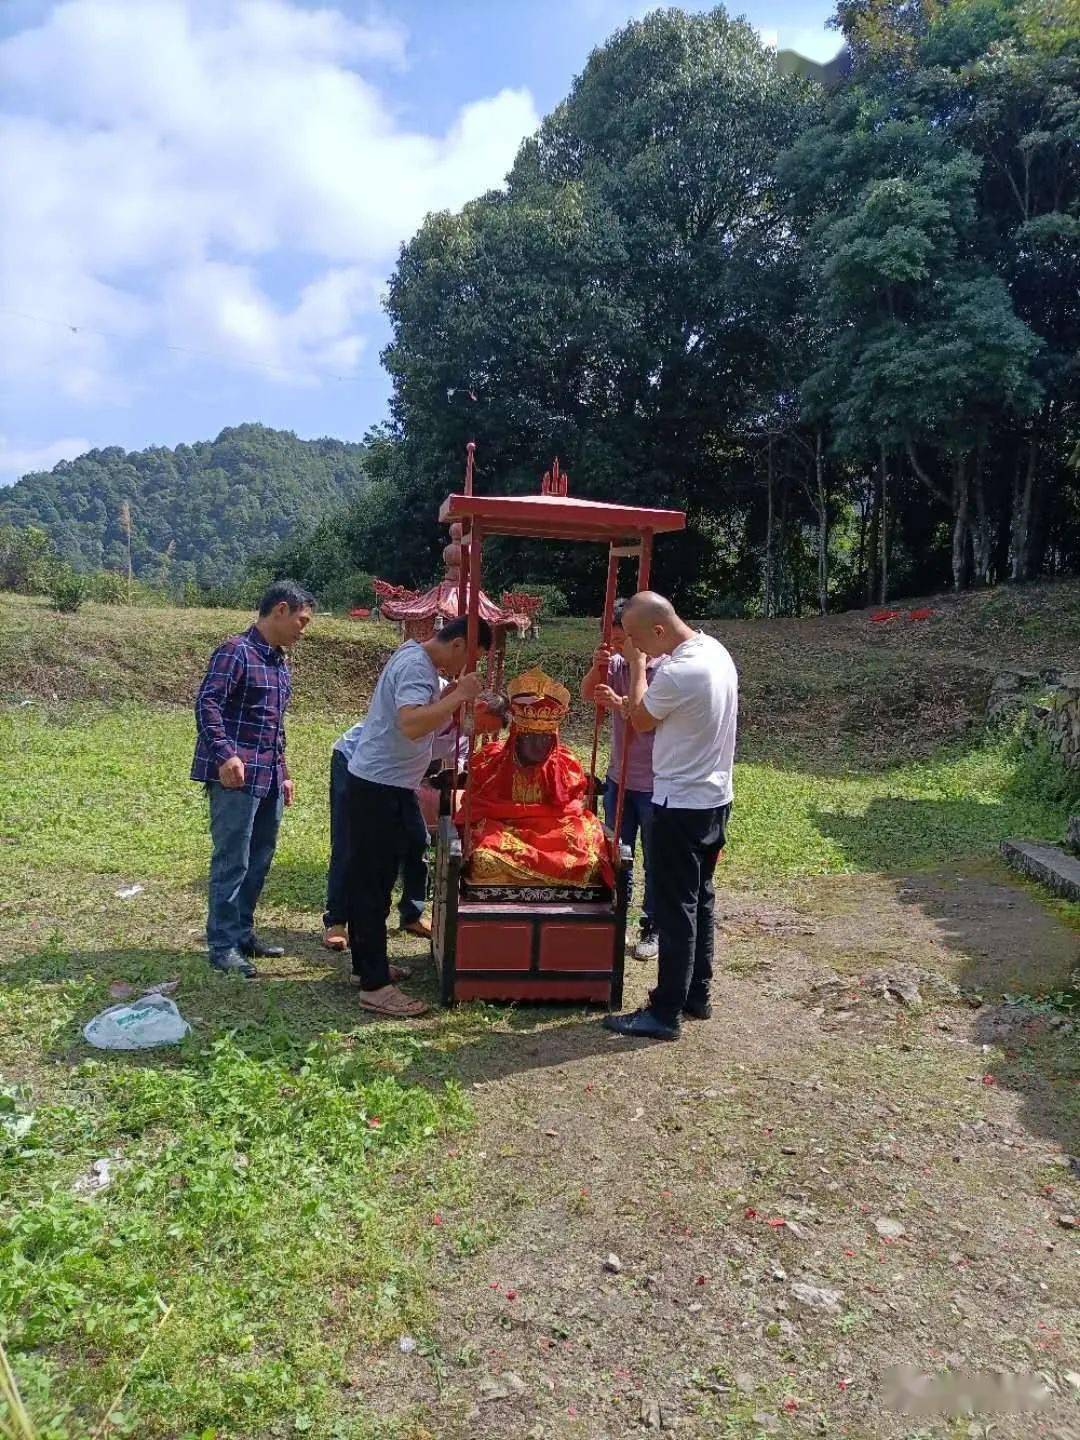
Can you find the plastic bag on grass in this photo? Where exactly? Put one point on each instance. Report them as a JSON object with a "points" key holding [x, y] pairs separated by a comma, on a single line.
{"points": [[137, 1025]]}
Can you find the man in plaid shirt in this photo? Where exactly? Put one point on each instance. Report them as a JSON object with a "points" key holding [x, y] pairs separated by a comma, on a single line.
{"points": [[240, 757]]}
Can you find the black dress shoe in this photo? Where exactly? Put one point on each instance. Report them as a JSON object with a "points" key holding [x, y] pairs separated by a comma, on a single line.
{"points": [[256, 950], [642, 1025], [232, 962], [698, 1010]]}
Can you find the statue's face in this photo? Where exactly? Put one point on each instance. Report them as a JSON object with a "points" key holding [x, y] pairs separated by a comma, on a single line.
{"points": [[534, 747]]}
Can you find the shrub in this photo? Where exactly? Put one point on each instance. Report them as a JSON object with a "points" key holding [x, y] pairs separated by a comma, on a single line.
{"points": [[68, 590], [27, 560], [343, 592], [108, 588], [554, 598]]}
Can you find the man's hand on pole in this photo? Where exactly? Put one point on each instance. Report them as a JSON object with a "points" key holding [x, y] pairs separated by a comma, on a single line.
{"points": [[606, 697], [468, 688]]}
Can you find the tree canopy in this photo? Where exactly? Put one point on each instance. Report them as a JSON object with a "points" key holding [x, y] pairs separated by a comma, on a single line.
{"points": [[839, 327]]}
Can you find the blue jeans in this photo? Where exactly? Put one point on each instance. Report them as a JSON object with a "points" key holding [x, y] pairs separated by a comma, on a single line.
{"points": [[244, 831], [637, 818], [413, 867]]}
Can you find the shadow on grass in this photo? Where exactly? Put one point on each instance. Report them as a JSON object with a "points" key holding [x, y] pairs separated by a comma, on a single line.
{"points": [[299, 1002], [999, 936]]}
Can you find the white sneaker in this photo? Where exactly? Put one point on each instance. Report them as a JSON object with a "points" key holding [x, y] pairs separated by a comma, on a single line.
{"points": [[647, 948]]}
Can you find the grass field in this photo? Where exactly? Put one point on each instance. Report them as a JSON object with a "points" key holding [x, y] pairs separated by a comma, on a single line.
{"points": [[288, 1181]]}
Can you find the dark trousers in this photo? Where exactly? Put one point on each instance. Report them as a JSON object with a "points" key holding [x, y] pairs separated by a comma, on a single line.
{"points": [[413, 869], [244, 831], [385, 824], [685, 847], [637, 817]]}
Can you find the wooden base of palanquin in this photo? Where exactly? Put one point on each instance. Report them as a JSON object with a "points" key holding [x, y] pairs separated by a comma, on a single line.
{"points": [[540, 951]]}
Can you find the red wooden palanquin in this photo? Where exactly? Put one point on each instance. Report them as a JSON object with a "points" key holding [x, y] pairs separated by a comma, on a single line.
{"points": [[521, 944]]}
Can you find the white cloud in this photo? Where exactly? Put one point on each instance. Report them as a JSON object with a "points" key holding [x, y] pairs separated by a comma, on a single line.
{"points": [[19, 460], [768, 38], [219, 305], [161, 156]]}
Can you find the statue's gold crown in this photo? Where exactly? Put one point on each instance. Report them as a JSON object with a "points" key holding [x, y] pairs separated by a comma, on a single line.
{"points": [[537, 702]]}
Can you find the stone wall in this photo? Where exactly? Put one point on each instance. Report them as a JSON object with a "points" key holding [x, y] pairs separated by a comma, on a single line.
{"points": [[1060, 722]]}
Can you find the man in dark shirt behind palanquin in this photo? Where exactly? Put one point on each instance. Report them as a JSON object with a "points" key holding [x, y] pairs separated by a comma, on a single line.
{"points": [[240, 757]]}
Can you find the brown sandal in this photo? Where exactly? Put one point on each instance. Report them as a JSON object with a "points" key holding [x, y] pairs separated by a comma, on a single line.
{"points": [[391, 1003]]}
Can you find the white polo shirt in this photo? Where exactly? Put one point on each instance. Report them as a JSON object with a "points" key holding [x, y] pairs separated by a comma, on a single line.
{"points": [[694, 697]]}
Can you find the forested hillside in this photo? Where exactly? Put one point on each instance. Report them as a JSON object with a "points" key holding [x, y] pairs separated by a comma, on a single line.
{"points": [[199, 512]]}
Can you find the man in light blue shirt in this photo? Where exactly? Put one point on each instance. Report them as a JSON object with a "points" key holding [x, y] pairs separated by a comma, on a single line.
{"points": [[413, 871], [387, 764]]}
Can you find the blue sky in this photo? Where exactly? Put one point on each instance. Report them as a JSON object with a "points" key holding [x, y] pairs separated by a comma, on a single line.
{"points": [[203, 198]]}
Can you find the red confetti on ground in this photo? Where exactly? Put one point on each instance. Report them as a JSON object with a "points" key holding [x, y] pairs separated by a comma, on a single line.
{"points": [[880, 616], [791, 1405], [842, 1384], [701, 1279], [849, 1252], [511, 1294], [989, 1080], [922, 614], [494, 1285], [436, 1220], [374, 1123], [750, 1213], [777, 1222]]}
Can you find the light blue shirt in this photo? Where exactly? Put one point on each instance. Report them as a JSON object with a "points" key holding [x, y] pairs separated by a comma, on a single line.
{"points": [[347, 743], [382, 754]]}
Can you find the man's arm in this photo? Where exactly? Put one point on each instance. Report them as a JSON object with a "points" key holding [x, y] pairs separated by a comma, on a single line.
{"points": [[225, 673], [636, 713], [652, 701], [288, 789], [416, 721], [639, 717]]}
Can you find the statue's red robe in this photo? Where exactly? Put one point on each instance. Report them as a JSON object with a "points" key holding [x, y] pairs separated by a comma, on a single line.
{"points": [[530, 823]]}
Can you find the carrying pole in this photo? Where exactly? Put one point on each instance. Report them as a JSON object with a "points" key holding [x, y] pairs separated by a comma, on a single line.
{"points": [[605, 636], [471, 648], [644, 567], [463, 572]]}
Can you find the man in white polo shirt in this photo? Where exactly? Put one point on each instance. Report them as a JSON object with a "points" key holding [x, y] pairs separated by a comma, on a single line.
{"points": [[692, 703]]}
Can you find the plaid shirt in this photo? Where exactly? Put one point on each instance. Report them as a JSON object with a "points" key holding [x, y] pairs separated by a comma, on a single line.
{"points": [[240, 710]]}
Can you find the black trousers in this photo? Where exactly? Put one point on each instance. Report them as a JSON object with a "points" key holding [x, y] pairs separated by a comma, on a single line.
{"points": [[338, 874], [685, 847], [385, 827]]}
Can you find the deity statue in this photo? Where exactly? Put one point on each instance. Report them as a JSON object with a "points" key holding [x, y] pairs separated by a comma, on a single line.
{"points": [[530, 821]]}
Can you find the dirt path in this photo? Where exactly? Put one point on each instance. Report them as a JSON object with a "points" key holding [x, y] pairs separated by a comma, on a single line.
{"points": [[756, 1157]]}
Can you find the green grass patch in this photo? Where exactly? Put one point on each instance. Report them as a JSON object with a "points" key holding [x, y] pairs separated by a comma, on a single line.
{"points": [[962, 802], [103, 791], [256, 1197]]}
